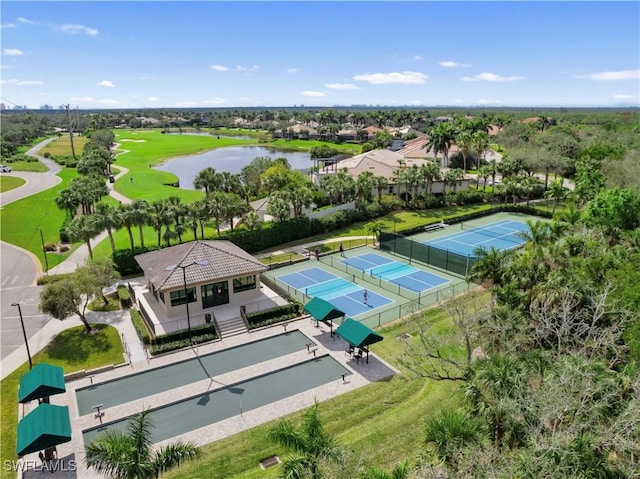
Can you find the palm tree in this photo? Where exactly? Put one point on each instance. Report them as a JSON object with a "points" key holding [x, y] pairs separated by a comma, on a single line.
{"points": [[364, 185], [440, 138], [373, 228], [400, 471], [85, 228], [130, 455], [463, 140], [480, 143], [429, 172], [126, 218], [537, 234], [311, 444], [556, 192], [380, 183], [107, 218], [484, 172], [140, 217], [207, 179], [489, 266], [449, 431], [159, 216]]}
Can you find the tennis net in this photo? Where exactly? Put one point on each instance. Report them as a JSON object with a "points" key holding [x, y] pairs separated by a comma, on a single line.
{"points": [[498, 232], [327, 288], [387, 269]]}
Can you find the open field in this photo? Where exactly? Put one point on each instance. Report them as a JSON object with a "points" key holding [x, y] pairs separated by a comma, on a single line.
{"points": [[8, 183], [62, 146], [73, 351]]}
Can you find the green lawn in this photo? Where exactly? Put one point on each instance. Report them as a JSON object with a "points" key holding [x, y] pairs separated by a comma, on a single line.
{"points": [[62, 146], [73, 351], [382, 423], [8, 183], [31, 166], [21, 219]]}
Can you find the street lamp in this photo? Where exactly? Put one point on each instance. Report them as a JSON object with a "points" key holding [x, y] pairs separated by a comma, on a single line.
{"points": [[24, 333], [184, 267], [44, 252]]}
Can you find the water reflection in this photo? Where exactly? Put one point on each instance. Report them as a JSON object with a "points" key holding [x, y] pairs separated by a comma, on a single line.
{"points": [[230, 159]]}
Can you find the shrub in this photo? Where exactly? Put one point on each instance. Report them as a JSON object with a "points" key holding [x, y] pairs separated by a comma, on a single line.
{"points": [[125, 263], [50, 247], [180, 339], [124, 296], [47, 154], [140, 327], [272, 316], [64, 248]]}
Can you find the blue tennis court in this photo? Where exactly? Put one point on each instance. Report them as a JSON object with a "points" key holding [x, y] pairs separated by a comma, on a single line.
{"points": [[395, 272], [343, 294], [500, 235]]}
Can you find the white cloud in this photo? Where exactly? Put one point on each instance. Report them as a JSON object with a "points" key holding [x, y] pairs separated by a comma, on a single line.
{"points": [[8, 25], [407, 78], [74, 29], [611, 76], [416, 102], [186, 104], [106, 83], [12, 52], [215, 101], [483, 101], [14, 81], [82, 99], [292, 70], [316, 94], [144, 76], [25, 20], [154, 98], [219, 68], [449, 64], [621, 96], [492, 77], [108, 101], [417, 57], [341, 86], [242, 68]]}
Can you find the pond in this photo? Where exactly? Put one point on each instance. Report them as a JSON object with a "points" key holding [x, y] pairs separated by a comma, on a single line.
{"points": [[230, 159]]}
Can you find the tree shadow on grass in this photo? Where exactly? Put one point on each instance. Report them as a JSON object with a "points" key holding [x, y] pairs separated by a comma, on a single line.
{"points": [[74, 346]]}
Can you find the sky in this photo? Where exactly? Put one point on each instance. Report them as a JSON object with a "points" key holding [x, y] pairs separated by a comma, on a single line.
{"points": [[201, 54]]}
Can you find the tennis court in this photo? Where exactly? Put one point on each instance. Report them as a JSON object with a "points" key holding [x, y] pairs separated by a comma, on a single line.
{"points": [[500, 235], [343, 294], [395, 272]]}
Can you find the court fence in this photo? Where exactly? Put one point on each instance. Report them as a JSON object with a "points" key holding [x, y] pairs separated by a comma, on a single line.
{"points": [[443, 259], [415, 301]]}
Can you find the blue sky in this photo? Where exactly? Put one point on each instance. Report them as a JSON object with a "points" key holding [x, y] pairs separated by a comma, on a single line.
{"points": [[239, 54]]}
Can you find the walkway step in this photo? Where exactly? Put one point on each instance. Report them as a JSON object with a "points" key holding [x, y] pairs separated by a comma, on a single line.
{"points": [[230, 327]]}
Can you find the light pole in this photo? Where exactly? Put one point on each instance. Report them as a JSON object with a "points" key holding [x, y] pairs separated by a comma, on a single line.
{"points": [[184, 279], [24, 333], [44, 252]]}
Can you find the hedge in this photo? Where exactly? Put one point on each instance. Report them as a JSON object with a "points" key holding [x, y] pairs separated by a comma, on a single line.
{"points": [[182, 343], [124, 296], [140, 327], [272, 316], [206, 331], [125, 263]]}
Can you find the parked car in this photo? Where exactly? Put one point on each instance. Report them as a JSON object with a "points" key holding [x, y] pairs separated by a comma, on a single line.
{"points": [[5, 169]]}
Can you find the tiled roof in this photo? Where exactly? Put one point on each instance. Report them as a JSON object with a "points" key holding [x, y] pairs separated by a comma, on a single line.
{"points": [[225, 260]]}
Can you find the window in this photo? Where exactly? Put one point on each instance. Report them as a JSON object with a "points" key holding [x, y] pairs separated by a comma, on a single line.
{"points": [[214, 294], [177, 297], [244, 284], [162, 297]]}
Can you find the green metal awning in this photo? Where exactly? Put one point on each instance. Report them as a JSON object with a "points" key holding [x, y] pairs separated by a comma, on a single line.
{"points": [[46, 426], [357, 334], [322, 310], [42, 381]]}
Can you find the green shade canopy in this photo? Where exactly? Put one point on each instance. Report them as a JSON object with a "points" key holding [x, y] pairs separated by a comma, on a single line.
{"points": [[357, 334], [46, 426], [322, 310], [42, 381]]}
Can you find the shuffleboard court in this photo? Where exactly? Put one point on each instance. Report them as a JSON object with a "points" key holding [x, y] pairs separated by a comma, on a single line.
{"points": [[409, 277], [501, 235], [347, 296]]}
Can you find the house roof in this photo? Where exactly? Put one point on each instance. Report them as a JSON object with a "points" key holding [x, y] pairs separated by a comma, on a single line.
{"points": [[225, 260]]}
